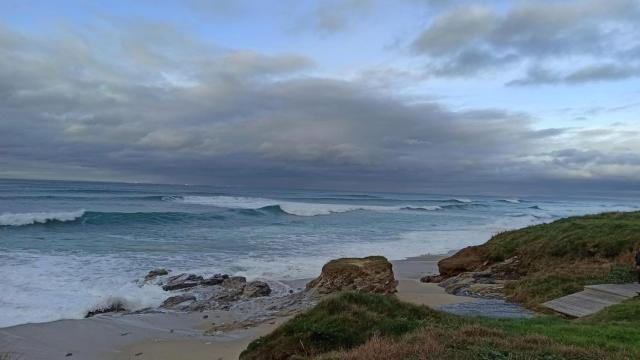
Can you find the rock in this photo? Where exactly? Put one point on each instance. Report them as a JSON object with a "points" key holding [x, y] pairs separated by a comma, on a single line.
{"points": [[182, 281], [256, 289], [373, 274], [431, 279], [215, 279], [475, 285], [115, 307], [507, 270], [465, 260], [155, 273], [234, 282], [177, 300], [487, 283]]}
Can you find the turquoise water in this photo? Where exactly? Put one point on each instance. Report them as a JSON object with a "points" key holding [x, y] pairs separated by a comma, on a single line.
{"points": [[66, 247]]}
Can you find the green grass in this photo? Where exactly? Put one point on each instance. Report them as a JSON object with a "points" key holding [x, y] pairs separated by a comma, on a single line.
{"points": [[355, 326], [561, 257], [342, 322]]}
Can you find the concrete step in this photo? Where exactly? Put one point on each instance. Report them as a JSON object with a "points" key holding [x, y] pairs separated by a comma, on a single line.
{"points": [[593, 299], [626, 290]]}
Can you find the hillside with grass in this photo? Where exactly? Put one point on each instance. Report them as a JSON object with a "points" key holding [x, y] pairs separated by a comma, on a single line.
{"points": [[552, 260], [368, 327], [558, 258]]}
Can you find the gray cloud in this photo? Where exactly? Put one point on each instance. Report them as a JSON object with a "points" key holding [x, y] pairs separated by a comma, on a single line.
{"points": [[148, 102], [602, 34], [330, 17], [592, 73]]}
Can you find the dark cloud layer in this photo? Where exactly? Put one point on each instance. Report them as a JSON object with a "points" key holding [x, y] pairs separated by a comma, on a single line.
{"points": [[142, 100]]}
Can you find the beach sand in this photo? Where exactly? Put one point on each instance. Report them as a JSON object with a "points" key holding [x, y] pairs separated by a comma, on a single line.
{"points": [[166, 336], [410, 289]]}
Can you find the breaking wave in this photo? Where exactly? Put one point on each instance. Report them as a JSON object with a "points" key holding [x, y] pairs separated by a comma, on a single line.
{"points": [[462, 200], [288, 207], [22, 219], [511, 201]]}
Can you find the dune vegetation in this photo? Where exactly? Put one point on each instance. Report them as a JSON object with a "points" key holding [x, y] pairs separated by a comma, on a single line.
{"points": [[368, 326], [562, 257]]}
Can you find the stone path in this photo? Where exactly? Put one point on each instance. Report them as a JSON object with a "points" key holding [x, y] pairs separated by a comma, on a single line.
{"points": [[593, 299]]}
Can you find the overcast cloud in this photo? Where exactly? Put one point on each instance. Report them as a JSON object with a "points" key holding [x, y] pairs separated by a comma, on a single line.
{"points": [[586, 40], [137, 99]]}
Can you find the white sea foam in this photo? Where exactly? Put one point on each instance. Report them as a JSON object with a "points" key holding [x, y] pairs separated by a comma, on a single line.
{"points": [[40, 288], [464, 201], [513, 201], [290, 207], [21, 219]]}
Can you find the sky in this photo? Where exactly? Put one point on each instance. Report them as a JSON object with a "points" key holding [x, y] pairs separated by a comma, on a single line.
{"points": [[381, 95]]}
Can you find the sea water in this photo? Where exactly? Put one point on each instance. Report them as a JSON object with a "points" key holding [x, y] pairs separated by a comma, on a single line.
{"points": [[69, 247]]}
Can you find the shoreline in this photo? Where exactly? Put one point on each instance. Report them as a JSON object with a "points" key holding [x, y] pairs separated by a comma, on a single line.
{"points": [[166, 335]]}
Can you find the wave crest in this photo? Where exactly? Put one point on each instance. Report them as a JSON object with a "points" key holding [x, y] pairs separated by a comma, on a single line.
{"points": [[22, 219], [289, 207]]}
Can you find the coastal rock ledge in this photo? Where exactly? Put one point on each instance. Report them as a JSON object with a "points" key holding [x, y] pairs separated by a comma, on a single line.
{"points": [[373, 274]]}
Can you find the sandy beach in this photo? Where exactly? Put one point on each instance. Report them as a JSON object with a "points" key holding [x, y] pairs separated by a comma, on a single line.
{"points": [[164, 336]]}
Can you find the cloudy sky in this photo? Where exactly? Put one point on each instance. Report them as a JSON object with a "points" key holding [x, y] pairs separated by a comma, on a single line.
{"points": [[407, 95]]}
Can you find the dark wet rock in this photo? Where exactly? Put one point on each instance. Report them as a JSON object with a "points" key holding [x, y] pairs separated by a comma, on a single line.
{"points": [[155, 273], [373, 274], [182, 281], [234, 282], [214, 280], [488, 283], [256, 289], [113, 308], [431, 279], [174, 301]]}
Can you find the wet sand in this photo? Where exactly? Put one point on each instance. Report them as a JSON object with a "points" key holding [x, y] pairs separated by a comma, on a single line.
{"points": [[227, 346], [410, 289], [165, 336]]}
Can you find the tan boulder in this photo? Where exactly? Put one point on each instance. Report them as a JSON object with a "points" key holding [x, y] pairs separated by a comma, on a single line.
{"points": [[465, 260], [373, 274]]}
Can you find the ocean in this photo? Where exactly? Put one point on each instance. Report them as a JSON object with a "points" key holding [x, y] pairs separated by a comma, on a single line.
{"points": [[69, 247]]}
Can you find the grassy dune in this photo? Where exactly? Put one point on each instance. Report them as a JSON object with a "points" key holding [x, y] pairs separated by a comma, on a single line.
{"points": [[559, 258], [364, 326]]}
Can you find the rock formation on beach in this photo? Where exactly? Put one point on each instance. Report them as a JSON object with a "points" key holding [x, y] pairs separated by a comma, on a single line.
{"points": [[539, 263], [487, 282], [155, 273], [373, 274], [219, 291]]}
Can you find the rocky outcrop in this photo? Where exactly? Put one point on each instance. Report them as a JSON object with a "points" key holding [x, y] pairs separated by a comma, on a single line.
{"points": [[155, 273], [112, 308], [372, 274], [185, 281], [485, 283], [174, 301], [432, 278], [218, 292], [465, 260], [182, 281], [256, 289]]}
